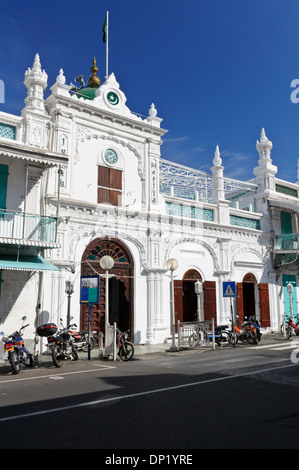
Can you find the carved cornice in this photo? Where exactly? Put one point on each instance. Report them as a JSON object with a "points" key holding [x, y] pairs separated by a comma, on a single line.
{"points": [[92, 110]]}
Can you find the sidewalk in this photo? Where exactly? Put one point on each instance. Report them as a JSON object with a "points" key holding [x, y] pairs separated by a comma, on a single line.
{"points": [[139, 350], [143, 349], [146, 349]]}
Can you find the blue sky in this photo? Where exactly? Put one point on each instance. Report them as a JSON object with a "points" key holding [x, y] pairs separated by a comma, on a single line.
{"points": [[217, 70]]}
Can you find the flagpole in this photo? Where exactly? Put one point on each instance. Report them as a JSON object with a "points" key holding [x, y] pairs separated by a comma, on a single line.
{"points": [[107, 45]]}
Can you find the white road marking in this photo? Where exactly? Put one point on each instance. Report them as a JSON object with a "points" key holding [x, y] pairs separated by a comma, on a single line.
{"points": [[278, 346], [139, 394], [12, 380]]}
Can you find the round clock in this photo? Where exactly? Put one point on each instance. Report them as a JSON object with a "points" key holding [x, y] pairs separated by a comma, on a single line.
{"points": [[112, 98], [110, 157]]}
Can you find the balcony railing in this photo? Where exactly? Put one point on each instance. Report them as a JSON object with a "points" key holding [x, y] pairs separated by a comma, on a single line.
{"points": [[29, 227], [288, 242]]}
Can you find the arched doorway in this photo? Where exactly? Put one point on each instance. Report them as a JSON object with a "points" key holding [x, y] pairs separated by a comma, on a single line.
{"points": [[185, 299], [120, 287], [189, 295], [246, 296]]}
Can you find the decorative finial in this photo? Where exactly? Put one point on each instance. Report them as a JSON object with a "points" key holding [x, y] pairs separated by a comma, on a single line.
{"points": [[60, 78], [152, 111], [264, 146], [263, 136], [94, 81], [217, 160]]}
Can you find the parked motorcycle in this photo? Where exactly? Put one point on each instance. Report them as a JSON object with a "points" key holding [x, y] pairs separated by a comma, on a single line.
{"points": [[80, 340], [17, 352], [257, 327], [290, 326], [222, 335], [59, 342], [126, 349], [251, 332]]}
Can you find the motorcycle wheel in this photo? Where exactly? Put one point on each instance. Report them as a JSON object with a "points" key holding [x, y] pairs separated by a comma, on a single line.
{"points": [[57, 357], [126, 352], [28, 361], [14, 359], [289, 332], [85, 348], [251, 337], [224, 340], [74, 353], [233, 339]]}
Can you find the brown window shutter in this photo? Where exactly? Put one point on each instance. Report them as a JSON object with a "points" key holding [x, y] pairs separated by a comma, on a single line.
{"points": [[115, 179], [103, 195], [115, 198], [210, 310], [264, 305], [103, 176]]}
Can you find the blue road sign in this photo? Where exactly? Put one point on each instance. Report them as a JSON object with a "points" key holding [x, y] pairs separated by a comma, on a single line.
{"points": [[229, 289]]}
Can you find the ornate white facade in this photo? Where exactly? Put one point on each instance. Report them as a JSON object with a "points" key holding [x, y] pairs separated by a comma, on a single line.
{"points": [[83, 161]]}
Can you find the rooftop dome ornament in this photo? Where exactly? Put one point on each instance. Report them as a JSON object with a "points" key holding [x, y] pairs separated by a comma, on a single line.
{"points": [[94, 81]]}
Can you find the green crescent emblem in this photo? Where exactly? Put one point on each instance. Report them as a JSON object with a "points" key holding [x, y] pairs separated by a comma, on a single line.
{"points": [[112, 98]]}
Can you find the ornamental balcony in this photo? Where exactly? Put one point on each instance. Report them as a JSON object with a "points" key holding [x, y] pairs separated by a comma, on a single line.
{"points": [[287, 243], [286, 250], [18, 228]]}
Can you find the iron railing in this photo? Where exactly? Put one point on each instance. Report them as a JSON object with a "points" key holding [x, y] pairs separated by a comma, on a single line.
{"points": [[21, 226], [196, 334]]}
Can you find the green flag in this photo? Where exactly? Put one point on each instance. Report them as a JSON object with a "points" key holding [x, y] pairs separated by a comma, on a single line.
{"points": [[105, 28]]}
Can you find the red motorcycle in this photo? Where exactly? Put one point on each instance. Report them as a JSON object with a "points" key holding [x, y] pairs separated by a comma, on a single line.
{"points": [[80, 340], [291, 328]]}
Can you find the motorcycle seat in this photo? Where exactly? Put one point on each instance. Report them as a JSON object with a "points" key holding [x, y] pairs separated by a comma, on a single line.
{"points": [[221, 327]]}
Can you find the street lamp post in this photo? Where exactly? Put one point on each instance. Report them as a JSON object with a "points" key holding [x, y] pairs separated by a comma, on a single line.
{"points": [[198, 291], [69, 290], [106, 263], [172, 265]]}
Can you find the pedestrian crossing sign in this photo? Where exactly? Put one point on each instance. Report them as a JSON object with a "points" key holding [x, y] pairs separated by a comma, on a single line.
{"points": [[229, 289]]}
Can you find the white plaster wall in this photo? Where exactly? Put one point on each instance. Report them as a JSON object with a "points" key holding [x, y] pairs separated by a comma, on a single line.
{"points": [[192, 255], [18, 298]]}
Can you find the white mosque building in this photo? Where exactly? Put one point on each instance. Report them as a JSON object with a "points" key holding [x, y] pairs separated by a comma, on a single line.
{"points": [[83, 177]]}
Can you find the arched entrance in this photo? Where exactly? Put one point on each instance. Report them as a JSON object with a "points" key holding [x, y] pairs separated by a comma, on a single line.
{"points": [[246, 296], [120, 286], [189, 295], [185, 299]]}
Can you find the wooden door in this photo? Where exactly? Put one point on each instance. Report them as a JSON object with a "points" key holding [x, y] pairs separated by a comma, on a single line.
{"points": [[178, 301], [264, 305], [240, 304], [210, 310]]}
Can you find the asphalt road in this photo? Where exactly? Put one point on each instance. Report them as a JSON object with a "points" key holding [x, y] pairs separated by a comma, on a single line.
{"points": [[230, 398]]}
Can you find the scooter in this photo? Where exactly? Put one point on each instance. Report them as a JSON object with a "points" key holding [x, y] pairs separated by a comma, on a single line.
{"points": [[17, 352]]}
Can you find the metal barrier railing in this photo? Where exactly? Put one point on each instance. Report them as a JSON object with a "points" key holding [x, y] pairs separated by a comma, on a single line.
{"points": [[196, 334]]}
